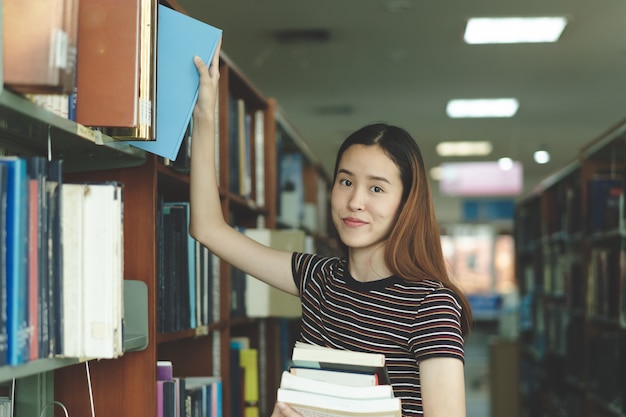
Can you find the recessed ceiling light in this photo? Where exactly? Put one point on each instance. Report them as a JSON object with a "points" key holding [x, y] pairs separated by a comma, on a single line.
{"points": [[498, 107], [464, 148], [541, 156], [481, 30], [505, 163]]}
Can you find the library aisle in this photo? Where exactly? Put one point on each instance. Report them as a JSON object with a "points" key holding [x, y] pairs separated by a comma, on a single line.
{"points": [[477, 371]]}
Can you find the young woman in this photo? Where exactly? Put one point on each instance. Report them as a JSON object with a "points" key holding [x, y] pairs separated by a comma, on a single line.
{"points": [[390, 293]]}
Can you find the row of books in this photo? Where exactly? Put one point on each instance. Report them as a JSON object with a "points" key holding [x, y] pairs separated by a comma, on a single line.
{"points": [[606, 283], [188, 396], [61, 275], [245, 378], [186, 288], [30, 253], [606, 203], [131, 74], [185, 273]]}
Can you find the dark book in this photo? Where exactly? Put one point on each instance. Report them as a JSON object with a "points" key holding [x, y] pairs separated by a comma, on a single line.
{"points": [[606, 203], [166, 390], [311, 356], [236, 373], [54, 242]]}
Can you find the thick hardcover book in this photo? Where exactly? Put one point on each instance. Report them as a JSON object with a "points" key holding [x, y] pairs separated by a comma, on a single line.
{"points": [[39, 45], [179, 39], [318, 357], [93, 274], [108, 63], [145, 124]]}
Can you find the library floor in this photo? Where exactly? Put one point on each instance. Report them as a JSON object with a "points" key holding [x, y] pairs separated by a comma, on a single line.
{"points": [[477, 372]]}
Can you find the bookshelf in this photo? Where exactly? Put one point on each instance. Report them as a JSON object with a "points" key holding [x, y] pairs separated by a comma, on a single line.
{"points": [[570, 251], [125, 386]]}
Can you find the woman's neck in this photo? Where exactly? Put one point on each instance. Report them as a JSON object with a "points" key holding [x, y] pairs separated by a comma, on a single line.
{"points": [[368, 264]]}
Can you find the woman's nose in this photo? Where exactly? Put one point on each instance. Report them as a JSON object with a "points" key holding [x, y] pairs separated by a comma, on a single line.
{"points": [[356, 201]]}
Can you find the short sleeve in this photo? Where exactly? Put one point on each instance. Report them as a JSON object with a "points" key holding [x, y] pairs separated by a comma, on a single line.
{"points": [[437, 331]]}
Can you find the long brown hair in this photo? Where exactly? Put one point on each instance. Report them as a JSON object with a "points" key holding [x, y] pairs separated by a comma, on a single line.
{"points": [[413, 249]]}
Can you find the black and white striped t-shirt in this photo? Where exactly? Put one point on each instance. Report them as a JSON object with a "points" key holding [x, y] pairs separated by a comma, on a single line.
{"points": [[408, 321]]}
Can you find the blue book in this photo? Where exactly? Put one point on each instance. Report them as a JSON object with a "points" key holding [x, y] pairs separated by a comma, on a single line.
{"points": [[17, 259], [179, 39], [3, 271]]}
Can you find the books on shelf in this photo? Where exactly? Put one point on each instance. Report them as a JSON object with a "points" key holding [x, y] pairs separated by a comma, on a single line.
{"points": [[187, 395], [184, 273], [606, 200], [319, 357], [246, 378], [31, 266], [179, 38], [291, 189]]}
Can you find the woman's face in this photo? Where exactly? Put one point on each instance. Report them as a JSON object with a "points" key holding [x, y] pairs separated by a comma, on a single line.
{"points": [[365, 197]]}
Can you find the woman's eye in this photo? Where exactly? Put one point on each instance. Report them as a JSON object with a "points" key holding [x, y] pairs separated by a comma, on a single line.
{"points": [[345, 182], [377, 189]]}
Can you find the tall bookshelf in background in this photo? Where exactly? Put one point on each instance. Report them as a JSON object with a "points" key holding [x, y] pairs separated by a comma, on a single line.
{"points": [[570, 267], [127, 385], [302, 188]]}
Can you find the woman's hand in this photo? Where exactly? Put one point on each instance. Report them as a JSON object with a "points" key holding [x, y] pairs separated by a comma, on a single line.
{"points": [[283, 410], [209, 84]]}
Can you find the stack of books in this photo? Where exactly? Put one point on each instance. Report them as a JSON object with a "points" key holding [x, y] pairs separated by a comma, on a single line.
{"points": [[338, 383]]}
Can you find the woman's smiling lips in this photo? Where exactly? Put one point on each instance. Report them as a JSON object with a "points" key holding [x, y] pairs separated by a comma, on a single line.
{"points": [[353, 222]]}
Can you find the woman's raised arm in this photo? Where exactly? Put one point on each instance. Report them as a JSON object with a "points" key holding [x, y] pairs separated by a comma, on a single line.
{"points": [[207, 224]]}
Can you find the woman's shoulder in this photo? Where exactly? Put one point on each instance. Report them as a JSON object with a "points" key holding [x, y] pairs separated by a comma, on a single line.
{"points": [[313, 260], [431, 291]]}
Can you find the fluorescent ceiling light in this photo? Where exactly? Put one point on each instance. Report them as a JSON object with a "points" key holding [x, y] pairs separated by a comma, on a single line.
{"points": [[499, 107], [464, 148], [481, 30]]}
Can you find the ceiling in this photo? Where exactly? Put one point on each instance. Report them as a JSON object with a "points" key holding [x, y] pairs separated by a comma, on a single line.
{"points": [[400, 61]]}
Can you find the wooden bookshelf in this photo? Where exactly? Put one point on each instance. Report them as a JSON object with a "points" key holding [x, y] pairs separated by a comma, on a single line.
{"points": [[126, 385], [570, 267]]}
